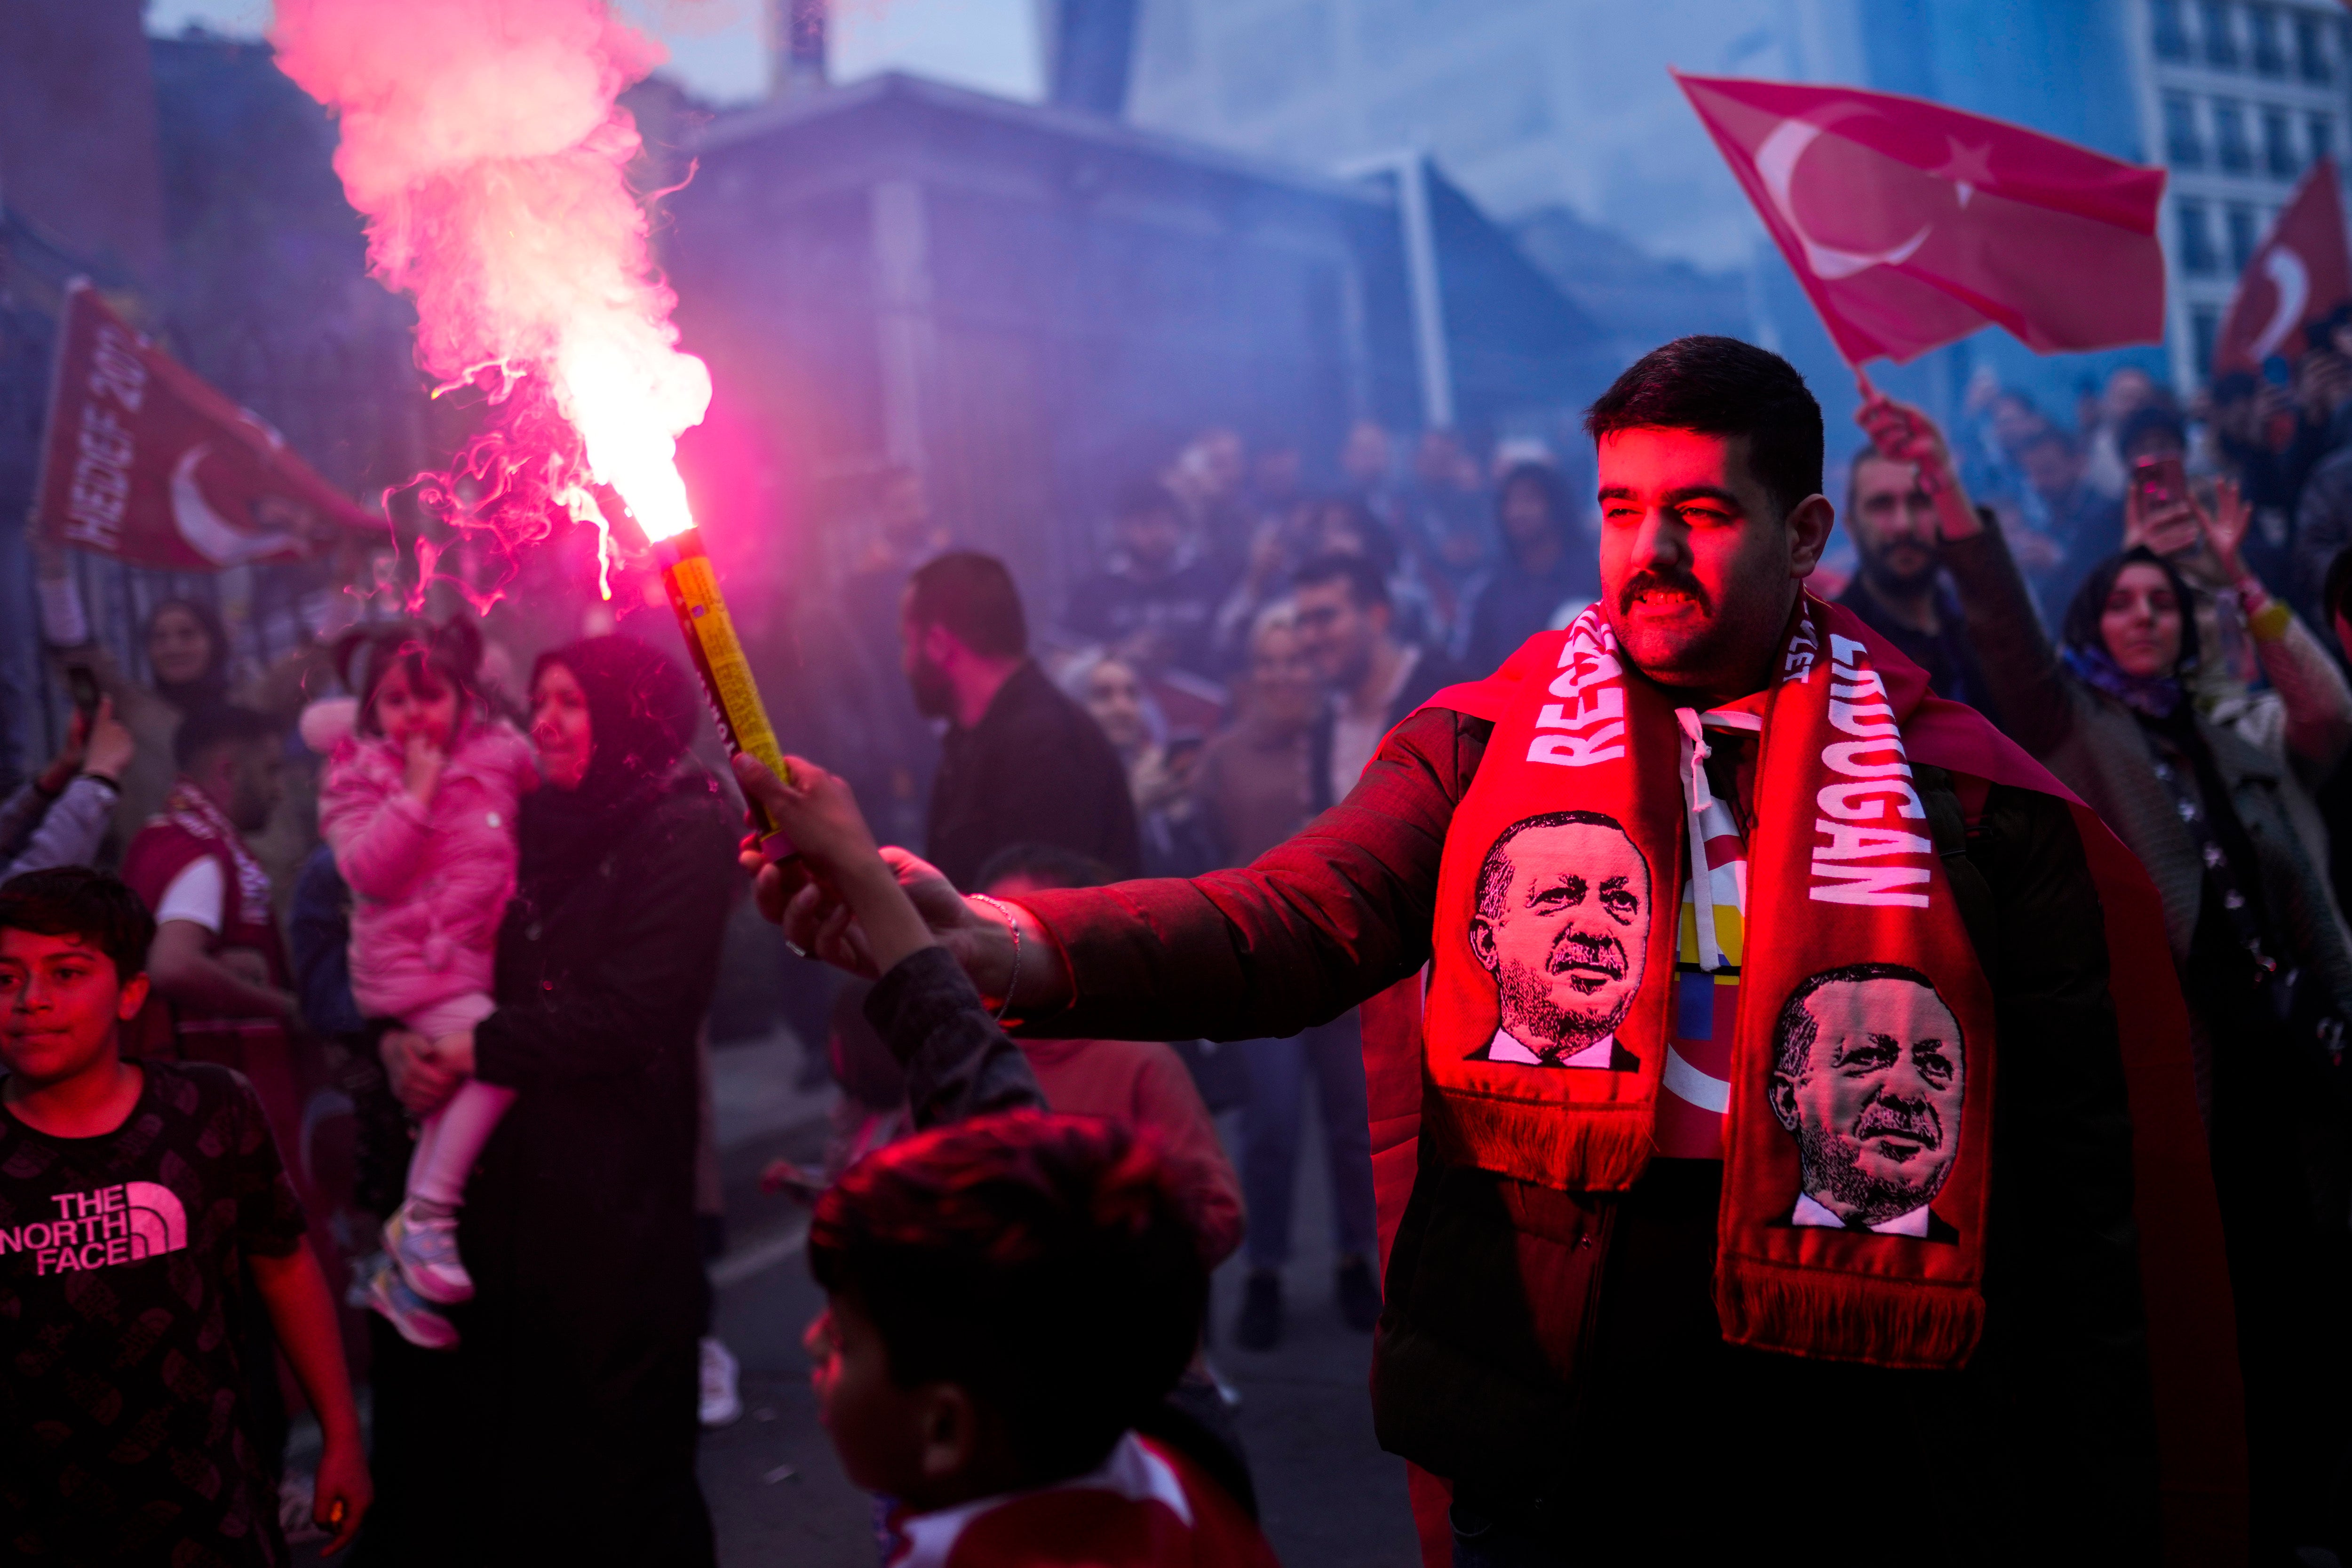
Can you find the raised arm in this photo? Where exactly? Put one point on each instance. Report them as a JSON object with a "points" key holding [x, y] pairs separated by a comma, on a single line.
{"points": [[2020, 662], [2311, 686]]}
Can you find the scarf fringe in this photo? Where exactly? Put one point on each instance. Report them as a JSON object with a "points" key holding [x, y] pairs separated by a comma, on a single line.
{"points": [[1603, 1149], [1891, 1323]]}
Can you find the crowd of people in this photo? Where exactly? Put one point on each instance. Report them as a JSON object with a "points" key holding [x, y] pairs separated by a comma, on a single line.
{"points": [[477, 928]]}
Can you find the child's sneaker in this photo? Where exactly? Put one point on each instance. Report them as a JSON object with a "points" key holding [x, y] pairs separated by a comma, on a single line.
{"points": [[424, 1246], [418, 1323], [722, 1401]]}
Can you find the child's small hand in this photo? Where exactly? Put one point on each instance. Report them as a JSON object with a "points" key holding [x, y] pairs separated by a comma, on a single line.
{"points": [[818, 811], [425, 760]]}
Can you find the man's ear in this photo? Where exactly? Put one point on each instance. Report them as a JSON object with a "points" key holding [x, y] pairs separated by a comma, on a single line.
{"points": [[951, 1431], [1808, 534], [1482, 941], [131, 997], [1780, 1092]]}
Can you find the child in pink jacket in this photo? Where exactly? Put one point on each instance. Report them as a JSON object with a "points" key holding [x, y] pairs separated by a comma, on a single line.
{"points": [[419, 808]]}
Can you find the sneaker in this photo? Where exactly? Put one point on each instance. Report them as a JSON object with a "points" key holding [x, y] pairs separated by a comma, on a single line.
{"points": [[1359, 1295], [1259, 1327], [424, 1246], [722, 1402], [418, 1323]]}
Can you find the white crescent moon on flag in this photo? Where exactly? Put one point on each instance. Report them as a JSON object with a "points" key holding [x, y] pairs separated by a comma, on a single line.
{"points": [[208, 534], [1775, 161], [2290, 281]]}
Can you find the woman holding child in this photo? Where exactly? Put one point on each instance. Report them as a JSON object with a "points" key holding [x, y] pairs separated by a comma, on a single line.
{"points": [[561, 1428]]}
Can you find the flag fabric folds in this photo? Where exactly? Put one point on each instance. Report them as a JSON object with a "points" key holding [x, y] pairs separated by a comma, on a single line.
{"points": [[2299, 273], [144, 461], [1911, 225]]}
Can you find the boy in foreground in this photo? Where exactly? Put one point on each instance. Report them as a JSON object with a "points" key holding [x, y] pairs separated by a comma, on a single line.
{"points": [[1008, 1296], [135, 1200]]}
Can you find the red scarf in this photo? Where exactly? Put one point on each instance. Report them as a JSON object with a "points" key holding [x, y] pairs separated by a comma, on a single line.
{"points": [[2189, 1314], [1863, 1060]]}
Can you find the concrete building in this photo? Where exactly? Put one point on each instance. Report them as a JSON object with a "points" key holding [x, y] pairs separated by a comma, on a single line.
{"points": [[2237, 100], [1029, 305]]}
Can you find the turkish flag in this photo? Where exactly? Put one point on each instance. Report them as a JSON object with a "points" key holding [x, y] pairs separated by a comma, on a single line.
{"points": [[1911, 225], [2300, 272], [146, 462]]}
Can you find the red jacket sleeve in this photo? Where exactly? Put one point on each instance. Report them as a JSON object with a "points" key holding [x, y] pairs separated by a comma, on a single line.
{"points": [[1336, 914]]}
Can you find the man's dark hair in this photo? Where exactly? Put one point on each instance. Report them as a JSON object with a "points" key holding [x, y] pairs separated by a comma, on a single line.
{"points": [[219, 724], [1868, 454], [1721, 387], [74, 901], [1495, 870], [1047, 864], [1142, 498], [1042, 1263], [974, 597], [1795, 1030], [1366, 586]]}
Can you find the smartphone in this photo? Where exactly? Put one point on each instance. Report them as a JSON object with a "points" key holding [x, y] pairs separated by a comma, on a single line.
{"points": [[84, 686], [2160, 481]]}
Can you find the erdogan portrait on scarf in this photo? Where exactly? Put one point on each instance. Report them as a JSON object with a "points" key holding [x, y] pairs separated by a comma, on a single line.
{"points": [[1868, 1074], [1562, 922]]}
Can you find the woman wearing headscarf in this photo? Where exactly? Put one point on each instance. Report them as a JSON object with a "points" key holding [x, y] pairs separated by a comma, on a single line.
{"points": [[562, 1428], [2260, 958]]}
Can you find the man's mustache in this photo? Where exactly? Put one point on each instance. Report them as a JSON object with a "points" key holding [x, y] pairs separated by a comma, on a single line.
{"points": [[1646, 581], [1912, 1120], [1603, 953]]}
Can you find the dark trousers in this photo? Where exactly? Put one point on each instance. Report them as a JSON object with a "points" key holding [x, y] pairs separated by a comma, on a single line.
{"points": [[1332, 1055]]}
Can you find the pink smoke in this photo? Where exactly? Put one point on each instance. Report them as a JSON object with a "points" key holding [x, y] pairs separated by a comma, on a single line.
{"points": [[481, 141]]}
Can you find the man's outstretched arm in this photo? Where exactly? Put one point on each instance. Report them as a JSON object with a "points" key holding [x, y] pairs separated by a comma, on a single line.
{"points": [[1338, 913]]}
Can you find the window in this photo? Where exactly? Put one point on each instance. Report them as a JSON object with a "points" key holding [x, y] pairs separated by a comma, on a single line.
{"points": [[2322, 128], [2182, 149], [2220, 44], [2204, 326], [2278, 144], [2310, 54], [2245, 232], [2262, 25], [2230, 148], [2172, 36], [2197, 254]]}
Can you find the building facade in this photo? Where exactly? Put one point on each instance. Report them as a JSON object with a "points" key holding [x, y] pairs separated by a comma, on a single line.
{"points": [[1547, 104], [2237, 100]]}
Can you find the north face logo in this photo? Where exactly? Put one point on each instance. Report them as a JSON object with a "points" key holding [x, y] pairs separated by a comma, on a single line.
{"points": [[124, 1224]]}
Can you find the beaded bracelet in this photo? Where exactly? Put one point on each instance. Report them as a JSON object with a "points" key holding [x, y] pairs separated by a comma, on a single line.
{"points": [[1014, 983]]}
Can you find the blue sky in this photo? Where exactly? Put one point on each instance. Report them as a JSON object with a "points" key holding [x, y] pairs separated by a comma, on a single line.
{"points": [[715, 44]]}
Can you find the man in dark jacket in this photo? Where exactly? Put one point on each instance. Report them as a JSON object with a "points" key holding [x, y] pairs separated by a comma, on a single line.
{"points": [[1555, 1354], [1346, 628], [1022, 763], [1899, 588]]}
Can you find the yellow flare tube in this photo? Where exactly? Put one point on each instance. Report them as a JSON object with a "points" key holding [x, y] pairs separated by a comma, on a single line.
{"points": [[720, 662]]}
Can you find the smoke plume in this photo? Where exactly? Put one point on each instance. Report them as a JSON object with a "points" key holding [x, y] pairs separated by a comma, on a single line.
{"points": [[481, 141]]}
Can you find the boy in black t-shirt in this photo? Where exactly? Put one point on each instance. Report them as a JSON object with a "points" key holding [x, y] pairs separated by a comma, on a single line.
{"points": [[132, 1198]]}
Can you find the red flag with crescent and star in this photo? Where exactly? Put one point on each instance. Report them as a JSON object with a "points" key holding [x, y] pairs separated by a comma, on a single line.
{"points": [[2299, 273], [1911, 225], [146, 462]]}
